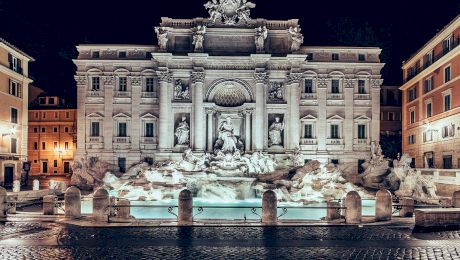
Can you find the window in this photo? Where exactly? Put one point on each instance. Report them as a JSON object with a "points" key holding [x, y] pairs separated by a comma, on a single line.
{"points": [[95, 84], [122, 54], [412, 94], [15, 88], [149, 83], [35, 130], [36, 115], [44, 115], [66, 129], [67, 114], [66, 167], [429, 160], [94, 129], [335, 86], [429, 109], [35, 145], [447, 161], [14, 145], [428, 58], [362, 133], [447, 75], [428, 136], [448, 131], [428, 84], [447, 44], [308, 131], [361, 57], [335, 132], [15, 63], [122, 164], [14, 115], [44, 167], [122, 129], [55, 130], [308, 86], [55, 145], [412, 116], [122, 84], [148, 129], [43, 146], [55, 163], [309, 56], [361, 86], [43, 130], [51, 101], [66, 145], [447, 102], [335, 56], [391, 116], [95, 54], [411, 139], [42, 100], [35, 161]]}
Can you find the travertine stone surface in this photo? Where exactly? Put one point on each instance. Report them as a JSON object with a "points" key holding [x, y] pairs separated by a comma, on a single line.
{"points": [[269, 208], [72, 202], [383, 205], [185, 212], [353, 212]]}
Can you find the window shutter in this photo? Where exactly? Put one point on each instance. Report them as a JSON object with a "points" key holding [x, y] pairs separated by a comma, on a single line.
{"points": [[10, 60], [9, 87], [19, 66], [19, 90]]}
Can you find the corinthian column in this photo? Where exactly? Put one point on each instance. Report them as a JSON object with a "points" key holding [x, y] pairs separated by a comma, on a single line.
{"points": [[82, 89], [165, 111], [294, 110], [199, 119], [247, 128], [259, 131], [375, 95]]}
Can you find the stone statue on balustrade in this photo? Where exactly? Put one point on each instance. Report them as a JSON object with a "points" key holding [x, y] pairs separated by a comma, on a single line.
{"points": [[198, 38], [181, 90], [296, 38], [275, 133], [261, 35], [162, 36], [183, 132]]}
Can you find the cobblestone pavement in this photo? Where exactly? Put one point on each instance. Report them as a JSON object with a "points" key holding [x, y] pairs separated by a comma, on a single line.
{"points": [[56, 241]]}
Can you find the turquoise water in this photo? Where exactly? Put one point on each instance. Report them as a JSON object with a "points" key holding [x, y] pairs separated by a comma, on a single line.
{"points": [[237, 210]]}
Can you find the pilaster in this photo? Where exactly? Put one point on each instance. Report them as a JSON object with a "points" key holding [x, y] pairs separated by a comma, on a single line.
{"points": [[294, 110], [261, 77], [107, 126], [164, 142], [136, 127], [322, 113], [375, 97], [199, 119], [82, 88], [348, 129]]}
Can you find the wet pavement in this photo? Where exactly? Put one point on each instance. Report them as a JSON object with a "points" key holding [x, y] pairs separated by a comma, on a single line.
{"points": [[24, 240]]}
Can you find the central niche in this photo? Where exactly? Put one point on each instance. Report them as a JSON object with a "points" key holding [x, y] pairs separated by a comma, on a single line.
{"points": [[229, 93]]}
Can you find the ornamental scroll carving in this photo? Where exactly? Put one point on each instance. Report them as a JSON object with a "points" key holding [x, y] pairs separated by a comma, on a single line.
{"points": [[136, 81], [294, 78], [108, 80], [376, 83], [349, 83], [164, 76], [197, 77], [322, 83], [261, 77], [81, 80]]}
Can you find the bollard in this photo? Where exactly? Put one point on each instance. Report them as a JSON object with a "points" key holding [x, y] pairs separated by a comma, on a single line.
{"points": [[353, 208], [72, 202], [124, 211], [456, 199], [333, 210], [269, 208], [185, 214], [383, 205], [3, 205], [36, 185], [16, 186], [407, 207], [13, 205], [49, 206], [101, 204]]}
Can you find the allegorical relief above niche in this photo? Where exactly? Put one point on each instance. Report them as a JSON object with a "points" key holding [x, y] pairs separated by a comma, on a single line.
{"points": [[181, 90], [276, 91]]}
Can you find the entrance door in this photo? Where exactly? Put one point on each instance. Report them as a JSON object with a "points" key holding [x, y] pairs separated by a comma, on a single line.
{"points": [[9, 176]]}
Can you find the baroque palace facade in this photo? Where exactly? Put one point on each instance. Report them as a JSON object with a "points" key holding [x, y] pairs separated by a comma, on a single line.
{"points": [[224, 84]]}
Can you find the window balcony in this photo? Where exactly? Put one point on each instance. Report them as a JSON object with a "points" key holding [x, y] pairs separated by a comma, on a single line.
{"points": [[335, 141], [362, 96], [122, 140], [309, 96], [149, 140], [95, 93], [123, 94], [94, 139], [335, 96], [357, 141], [308, 141], [149, 94]]}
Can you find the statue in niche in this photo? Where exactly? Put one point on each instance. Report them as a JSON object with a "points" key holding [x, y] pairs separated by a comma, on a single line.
{"points": [[274, 133], [296, 38], [261, 35], [181, 90], [162, 35], [183, 132], [198, 38], [227, 142], [276, 91]]}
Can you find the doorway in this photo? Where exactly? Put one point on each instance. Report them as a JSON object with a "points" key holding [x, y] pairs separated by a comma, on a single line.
{"points": [[9, 176]]}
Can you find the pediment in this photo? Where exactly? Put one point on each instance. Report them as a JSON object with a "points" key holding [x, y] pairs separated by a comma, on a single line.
{"points": [[122, 115], [363, 118], [95, 115], [336, 118], [148, 116], [309, 118]]}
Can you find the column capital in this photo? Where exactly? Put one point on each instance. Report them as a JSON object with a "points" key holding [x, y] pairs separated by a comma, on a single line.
{"points": [[294, 77], [165, 76], [322, 82], [349, 83], [210, 111], [81, 80], [135, 81], [249, 112], [108, 80], [376, 83], [197, 77], [261, 77]]}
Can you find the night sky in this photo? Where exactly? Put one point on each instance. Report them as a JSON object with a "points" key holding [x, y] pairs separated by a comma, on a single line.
{"points": [[49, 30]]}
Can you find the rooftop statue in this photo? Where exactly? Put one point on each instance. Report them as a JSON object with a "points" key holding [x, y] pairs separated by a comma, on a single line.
{"points": [[229, 11]]}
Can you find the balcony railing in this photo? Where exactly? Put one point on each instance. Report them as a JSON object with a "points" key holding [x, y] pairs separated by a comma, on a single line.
{"points": [[361, 141], [149, 140], [308, 141], [335, 96], [362, 96], [94, 139], [149, 94], [309, 96], [334, 142], [121, 140], [122, 94], [436, 57], [95, 93]]}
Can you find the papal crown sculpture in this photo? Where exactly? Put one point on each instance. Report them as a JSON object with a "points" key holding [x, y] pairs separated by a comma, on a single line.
{"points": [[229, 11]]}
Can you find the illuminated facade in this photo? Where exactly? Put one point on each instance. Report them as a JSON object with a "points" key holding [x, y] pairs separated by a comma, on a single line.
{"points": [[52, 139], [14, 83], [431, 101]]}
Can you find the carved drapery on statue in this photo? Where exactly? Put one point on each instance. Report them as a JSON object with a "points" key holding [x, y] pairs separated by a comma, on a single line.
{"points": [[227, 142], [275, 137], [162, 36], [182, 132], [229, 12], [261, 34], [198, 38], [296, 38]]}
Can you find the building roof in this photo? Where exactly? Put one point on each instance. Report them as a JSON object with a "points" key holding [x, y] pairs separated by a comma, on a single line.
{"points": [[16, 49]]}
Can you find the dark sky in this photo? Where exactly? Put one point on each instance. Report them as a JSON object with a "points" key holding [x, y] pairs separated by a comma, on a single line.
{"points": [[48, 30]]}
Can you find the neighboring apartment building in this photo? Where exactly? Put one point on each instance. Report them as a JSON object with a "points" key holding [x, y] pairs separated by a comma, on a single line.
{"points": [[144, 102], [431, 101], [52, 138], [390, 111], [14, 87]]}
